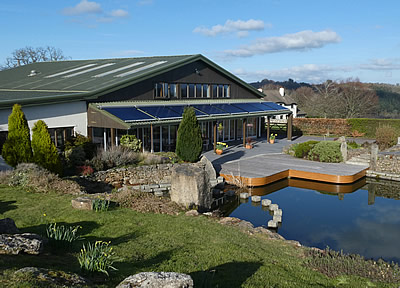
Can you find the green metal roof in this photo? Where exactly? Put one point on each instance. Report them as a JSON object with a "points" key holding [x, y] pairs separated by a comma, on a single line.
{"points": [[88, 79]]}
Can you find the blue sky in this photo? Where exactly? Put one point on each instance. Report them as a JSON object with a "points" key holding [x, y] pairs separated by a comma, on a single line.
{"points": [[309, 40]]}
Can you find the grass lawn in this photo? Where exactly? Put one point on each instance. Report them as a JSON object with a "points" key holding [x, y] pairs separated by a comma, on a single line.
{"points": [[213, 254]]}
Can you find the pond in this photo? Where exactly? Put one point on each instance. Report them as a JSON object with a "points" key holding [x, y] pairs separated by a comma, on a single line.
{"points": [[362, 218]]}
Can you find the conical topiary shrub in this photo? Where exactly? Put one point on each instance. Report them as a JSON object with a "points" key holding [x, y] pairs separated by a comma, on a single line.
{"points": [[189, 142], [17, 148], [45, 153]]}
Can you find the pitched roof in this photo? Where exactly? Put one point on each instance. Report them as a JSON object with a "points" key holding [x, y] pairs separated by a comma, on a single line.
{"points": [[89, 79], [275, 96]]}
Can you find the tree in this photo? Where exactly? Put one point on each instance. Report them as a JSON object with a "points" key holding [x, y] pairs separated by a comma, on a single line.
{"points": [[29, 55], [189, 142], [17, 148], [45, 153]]}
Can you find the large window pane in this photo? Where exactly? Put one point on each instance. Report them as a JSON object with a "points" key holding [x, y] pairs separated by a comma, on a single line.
{"points": [[206, 91], [158, 90], [172, 91], [214, 90], [220, 91], [191, 90], [227, 91], [183, 90], [198, 91]]}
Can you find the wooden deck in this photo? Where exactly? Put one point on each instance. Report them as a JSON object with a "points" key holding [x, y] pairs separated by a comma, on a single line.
{"points": [[264, 169]]}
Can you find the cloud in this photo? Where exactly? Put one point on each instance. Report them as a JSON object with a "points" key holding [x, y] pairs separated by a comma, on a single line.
{"points": [[300, 41], [308, 73], [119, 13], [382, 64], [241, 27], [83, 7]]}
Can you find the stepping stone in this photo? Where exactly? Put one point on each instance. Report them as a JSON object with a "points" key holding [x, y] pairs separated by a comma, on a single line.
{"points": [[277, 218], [273, 207], [278, 212], [255, 198], [272, 224], [266, 202], [244, 195]]}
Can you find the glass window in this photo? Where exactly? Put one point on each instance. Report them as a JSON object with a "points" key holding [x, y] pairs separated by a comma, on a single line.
{"points": [[173, 91], [220, 91], [227, 91], [206, 91], [158, 89], [191, 90], [165, 90], [198, 91], [214, 90], [183, 90]]}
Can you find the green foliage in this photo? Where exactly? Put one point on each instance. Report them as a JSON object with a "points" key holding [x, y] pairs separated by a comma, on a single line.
{"points": [[17, 148], [97, 257], [353, 145], [45, 153], [301, 150], [85, 143], [189, 142], [131, 142], [62, 236], [326, 151], [385, 136], [100, 205], [115, 157], [334, 264], [369, 126]]}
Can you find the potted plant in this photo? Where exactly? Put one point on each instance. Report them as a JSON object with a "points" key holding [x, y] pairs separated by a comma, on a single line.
{"points": [[272, 138], [220, 147], [249, 144]]}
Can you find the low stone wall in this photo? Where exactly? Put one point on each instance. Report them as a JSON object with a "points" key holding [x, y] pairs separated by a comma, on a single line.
{"points": [[388, 164], [141, 175]]}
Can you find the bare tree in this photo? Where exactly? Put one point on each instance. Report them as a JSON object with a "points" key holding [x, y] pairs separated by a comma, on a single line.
{"points": [[29, 55]]}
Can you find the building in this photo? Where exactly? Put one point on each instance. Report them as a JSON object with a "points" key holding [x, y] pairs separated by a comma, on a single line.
{"points": [[280, 97], [107, 98]]}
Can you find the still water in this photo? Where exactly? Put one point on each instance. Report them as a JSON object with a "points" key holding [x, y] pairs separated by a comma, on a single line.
{"points": [[362, 218]]}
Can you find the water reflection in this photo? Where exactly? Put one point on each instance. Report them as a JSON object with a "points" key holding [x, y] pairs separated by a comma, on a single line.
{"points": [[363, 217]]}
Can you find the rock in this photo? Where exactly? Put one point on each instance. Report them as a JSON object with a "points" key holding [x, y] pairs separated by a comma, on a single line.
{"points": [[278, 212], [7, 226], [255, 198], [269, 233], [208, 167], [343, 150], [272, 224], [16, 243], [229, 221], [157, 280], [82, 203], [192, 213], [59, 278], [266, 202], [190, 185], [341, 139], [244, 195], [277, 218], [273, 207]]}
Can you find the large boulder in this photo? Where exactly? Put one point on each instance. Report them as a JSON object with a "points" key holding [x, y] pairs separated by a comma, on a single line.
{"points": [[157, 280], [208, 167], [82, 203], [7, 226], [190, 186], [60, 278], [14, 244]]}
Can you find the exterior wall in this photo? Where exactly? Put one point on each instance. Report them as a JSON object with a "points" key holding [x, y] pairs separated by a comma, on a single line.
{"points": [[55, 115], [185, 74]]}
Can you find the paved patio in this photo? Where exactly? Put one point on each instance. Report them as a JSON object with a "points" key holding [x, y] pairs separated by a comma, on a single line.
{"points": [[266, 163]]}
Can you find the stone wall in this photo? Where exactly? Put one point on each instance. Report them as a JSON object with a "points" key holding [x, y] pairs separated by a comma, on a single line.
{"points": [[388, 164], [141, 175]]}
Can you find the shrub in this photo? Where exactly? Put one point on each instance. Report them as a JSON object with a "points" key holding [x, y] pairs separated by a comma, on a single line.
{"points": [[301, 150], [326, 151], [62, 236], [45, 153], [353, 145], [34, 178], [189, 143], [17, 148], [131, 142], [97, 257], [115, 157], [89, 148], [75, 156], [385, 136]]}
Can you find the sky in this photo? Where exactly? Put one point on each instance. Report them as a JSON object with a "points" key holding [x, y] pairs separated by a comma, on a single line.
{"points": [[307, 41]]}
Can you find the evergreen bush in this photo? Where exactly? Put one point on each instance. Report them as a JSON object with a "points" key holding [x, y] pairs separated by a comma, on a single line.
{"points": [[45, 153], [17, 148], [189, 142], [326, 151], [301, 150], [131, 142]]}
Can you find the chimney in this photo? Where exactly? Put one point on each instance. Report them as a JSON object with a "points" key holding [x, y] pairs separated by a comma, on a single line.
{"points": [[282, 91]]}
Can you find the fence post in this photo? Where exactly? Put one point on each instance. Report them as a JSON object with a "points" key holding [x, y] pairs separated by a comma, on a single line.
{"points": [[374, 157]]}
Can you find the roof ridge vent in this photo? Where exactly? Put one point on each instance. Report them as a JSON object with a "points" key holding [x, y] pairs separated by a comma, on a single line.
{"points": [[33, 73]]}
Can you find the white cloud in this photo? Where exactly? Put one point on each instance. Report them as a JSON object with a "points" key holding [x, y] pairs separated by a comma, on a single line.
{"points": [[119, 13], [83, 7], [382, 64], [240, 27], [300, 41]]}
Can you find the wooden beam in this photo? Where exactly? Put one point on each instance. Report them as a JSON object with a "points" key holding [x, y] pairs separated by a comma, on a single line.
{"points": [[215, 134], [151, 139], [112, 137], [289, 127], [268, 128], [244, 131]]}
